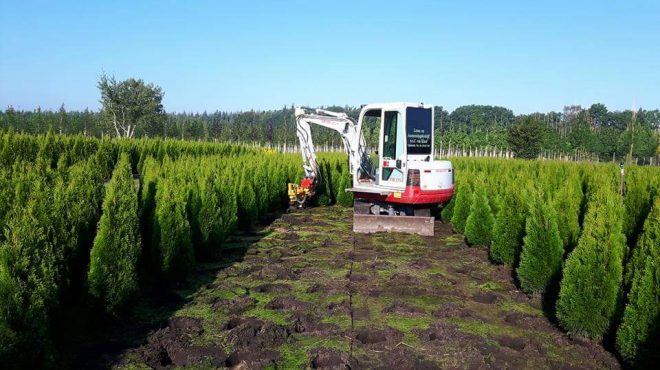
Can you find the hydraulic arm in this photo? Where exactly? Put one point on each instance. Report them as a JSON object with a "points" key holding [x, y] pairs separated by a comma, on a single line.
{"points": [[354, 145]]}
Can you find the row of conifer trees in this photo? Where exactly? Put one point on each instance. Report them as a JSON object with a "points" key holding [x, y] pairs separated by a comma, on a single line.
{"points": [[575, 233], [89, 222]]}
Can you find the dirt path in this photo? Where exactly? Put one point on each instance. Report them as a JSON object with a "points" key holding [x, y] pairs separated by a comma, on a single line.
{"points": [[311, 294]]}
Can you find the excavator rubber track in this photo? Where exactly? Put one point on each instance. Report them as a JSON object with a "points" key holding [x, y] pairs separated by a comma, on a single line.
{"points": [[367, 224]]}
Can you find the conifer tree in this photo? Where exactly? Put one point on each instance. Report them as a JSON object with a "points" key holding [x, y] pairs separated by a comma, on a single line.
{"points": [[509, 227], [448, 210], [641, 319], [247, 204], [542, 251], [479, 224], [174, 238], [591, 286], [29, 262], [462, 206], [113, 260], [567, 203], [344, 198]]}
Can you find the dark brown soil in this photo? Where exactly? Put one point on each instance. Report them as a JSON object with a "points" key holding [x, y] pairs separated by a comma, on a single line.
{"points": [[308, 293]]}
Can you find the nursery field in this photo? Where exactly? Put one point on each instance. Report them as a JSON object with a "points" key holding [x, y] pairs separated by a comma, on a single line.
{"points": [[305, 292], [164, 253]]}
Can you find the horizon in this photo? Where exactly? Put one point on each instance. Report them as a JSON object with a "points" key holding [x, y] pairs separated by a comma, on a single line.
{"points": [[235, 57]]}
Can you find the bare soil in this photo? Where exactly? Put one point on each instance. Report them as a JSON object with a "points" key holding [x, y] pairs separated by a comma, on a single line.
{"points": [[308, 293]]}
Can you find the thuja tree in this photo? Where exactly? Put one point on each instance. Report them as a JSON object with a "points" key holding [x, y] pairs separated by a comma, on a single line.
{"points": [[448, 210], [247, 203], [114, 256], [479, 224], [567, 203], [542, 251], [345, 198], [210, 215], [591, 286], [29, 260], [171, 222], [509, 227], [641, 319], [462, 206]]}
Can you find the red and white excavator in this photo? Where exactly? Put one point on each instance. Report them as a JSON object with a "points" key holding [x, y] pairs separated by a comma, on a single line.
{"points": [[402, 190]]}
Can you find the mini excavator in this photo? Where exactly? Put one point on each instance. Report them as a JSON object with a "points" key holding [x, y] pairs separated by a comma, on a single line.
{"points": [[402, 191]]}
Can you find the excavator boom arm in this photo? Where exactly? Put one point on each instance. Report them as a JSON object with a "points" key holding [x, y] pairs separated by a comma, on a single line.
{"points": [[351, 134]]}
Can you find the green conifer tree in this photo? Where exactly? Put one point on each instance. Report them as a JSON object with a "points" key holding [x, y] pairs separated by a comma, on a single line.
{"points": [[479, 224], [567, 202], [542, 251], [113, 260], [448, 210], [462, 206], [591, 286], [640, 328], [344, 198], [509, 227], [175, 245]]}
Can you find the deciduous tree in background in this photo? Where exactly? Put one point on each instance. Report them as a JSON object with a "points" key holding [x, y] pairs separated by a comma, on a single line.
{"points": [[131, 105]]}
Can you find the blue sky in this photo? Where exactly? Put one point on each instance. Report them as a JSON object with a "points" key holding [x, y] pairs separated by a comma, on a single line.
{"points": [[235, 55]]}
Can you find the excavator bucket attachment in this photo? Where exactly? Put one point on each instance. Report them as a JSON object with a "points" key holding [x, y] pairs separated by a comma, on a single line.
{"points": [[367, 224]]}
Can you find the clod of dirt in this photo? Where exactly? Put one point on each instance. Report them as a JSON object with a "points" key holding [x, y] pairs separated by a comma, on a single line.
{"points": [[287, 303], [373, 336], [326, 289], [404, 358], [252, 359], [514, 343], [198, 355], [361, 313], [255, 334], [311, 324], [452, 310], [448, 333], [357, 277], [330, 359], [403, 308], [291, 237], [338, 307], [406, 279], [273, 288], [462, 269], [308, 272], [234, 306], [486, 297], [380, 265], [190, 325], [169, 346], [276, 272], [421, 264], [327, 243]]}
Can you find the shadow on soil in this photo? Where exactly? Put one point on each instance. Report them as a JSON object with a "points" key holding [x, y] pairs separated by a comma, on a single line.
{"points": [[95, 342]]}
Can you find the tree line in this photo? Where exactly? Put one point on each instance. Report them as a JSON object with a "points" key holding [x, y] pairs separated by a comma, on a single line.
{"points": [[133, 108]]}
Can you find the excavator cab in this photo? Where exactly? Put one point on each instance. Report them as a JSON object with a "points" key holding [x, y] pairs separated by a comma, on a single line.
{"points": [[407, 184]]}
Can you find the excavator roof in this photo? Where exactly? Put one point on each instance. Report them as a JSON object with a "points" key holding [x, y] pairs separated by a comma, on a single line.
{"points": [[392, 105]]}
